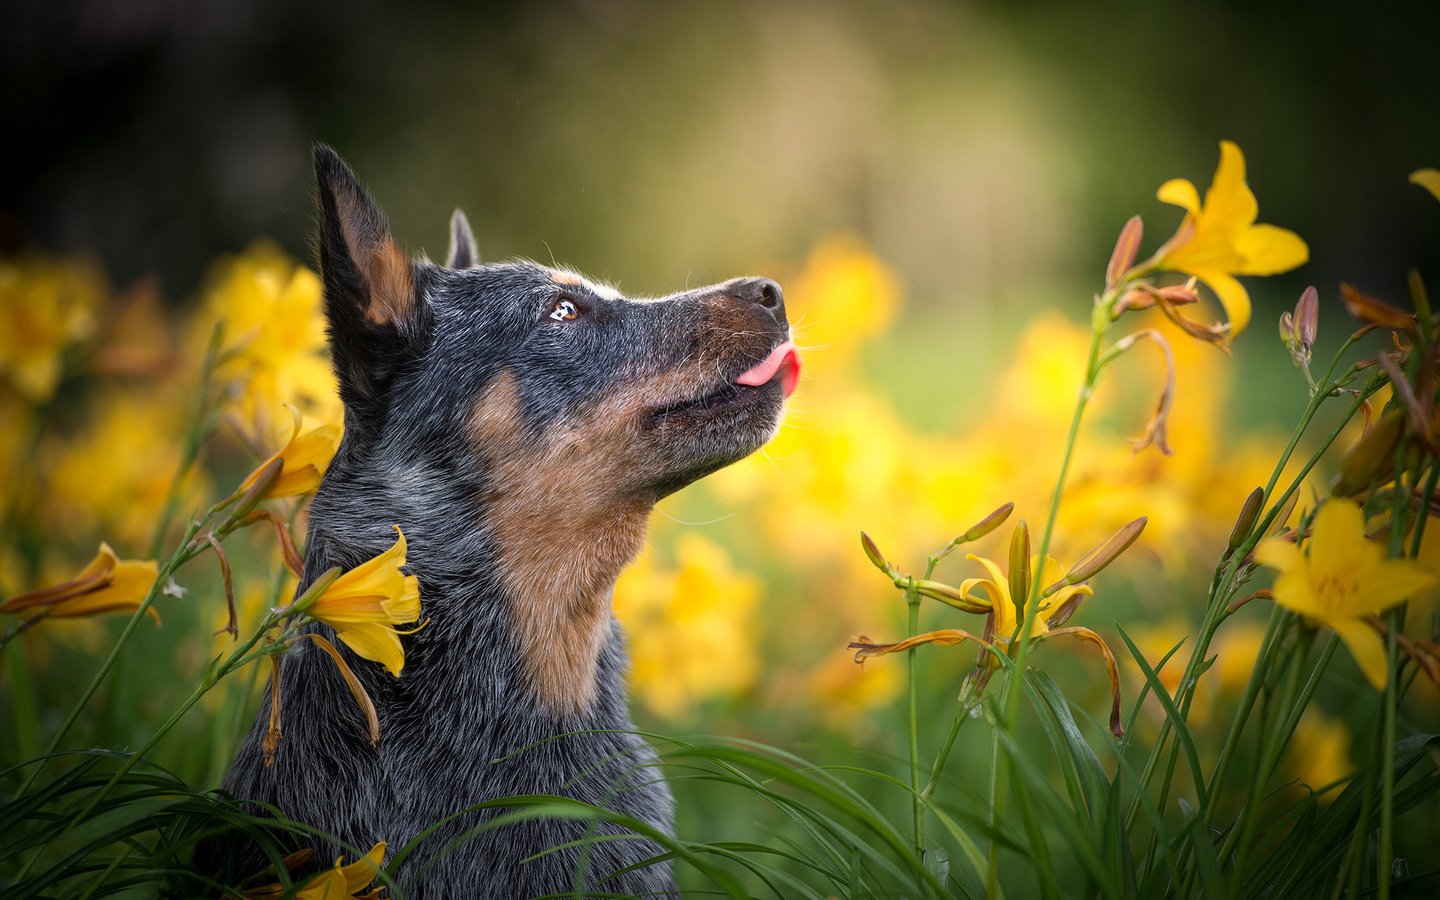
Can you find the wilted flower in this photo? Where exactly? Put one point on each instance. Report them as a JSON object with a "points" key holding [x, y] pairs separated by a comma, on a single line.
{"points": [[1344, 578], [1219, 239], [365, 604], [108, 584]]}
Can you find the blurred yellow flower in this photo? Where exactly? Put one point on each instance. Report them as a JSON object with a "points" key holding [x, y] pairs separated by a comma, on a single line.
{"points": [[1320, 750], [1344, 578], [274, 343], [1429, 179], [844, 296], [113, 474], [45, 305], [1219, 239], [305, 458], [847, 460], [365, 604], [691, 628], [107, 585], [339, 883]]}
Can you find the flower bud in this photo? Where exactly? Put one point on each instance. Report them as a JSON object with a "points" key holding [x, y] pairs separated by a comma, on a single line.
{"points": [[1106, 553], [1307, 316], [1372, 458], [1288, 335], [979, 529], [1123, 256], [950, 596], [989, 523], [1249, 512], [877, 559], [1020, 568], [256, 487], [1066, 610]]}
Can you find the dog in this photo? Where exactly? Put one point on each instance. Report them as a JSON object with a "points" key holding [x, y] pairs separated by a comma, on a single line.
{"points": [[518, 422]]}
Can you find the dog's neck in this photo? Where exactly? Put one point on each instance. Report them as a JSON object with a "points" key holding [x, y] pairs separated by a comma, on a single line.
{"points": [[527, 575]]}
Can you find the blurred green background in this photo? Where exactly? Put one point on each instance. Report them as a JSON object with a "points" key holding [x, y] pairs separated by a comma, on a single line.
{"points": [[976, 146]]}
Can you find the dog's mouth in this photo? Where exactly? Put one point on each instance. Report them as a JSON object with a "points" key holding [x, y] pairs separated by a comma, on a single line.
{"points": [[780, 367], [783, 364]]}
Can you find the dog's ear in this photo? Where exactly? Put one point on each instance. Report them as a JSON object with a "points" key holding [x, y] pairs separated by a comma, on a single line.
{"points": [[462, 254], [377, 317]]}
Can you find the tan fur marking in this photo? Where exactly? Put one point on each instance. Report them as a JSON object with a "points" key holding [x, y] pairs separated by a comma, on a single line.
{"points": [[568, 511], [382, 264], [392, 289], [563, 536], [569, 279]]}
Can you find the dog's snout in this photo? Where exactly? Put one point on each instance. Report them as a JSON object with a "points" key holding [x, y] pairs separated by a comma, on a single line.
{"points": [[763, 291]]}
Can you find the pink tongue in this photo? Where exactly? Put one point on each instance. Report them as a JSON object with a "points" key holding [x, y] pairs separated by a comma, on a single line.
{"points": [[784, 360]]}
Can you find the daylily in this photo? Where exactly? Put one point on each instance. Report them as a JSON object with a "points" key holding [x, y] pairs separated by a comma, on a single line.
{"points": [[365, 604], [108, 584], [1344, 579], [1219, 239], [339, 883], [995, 592], [1429, 179], [304, 460]]}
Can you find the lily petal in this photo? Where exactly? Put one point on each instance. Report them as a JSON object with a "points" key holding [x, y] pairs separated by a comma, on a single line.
{"points": [[1278, 553], [1233, 296], [375, 642], [1182, 193], [1392, 583], [1229, 202], [1366, 647], [1269, 250]]}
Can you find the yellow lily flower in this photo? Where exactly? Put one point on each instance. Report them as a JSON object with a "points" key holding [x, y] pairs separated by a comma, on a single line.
{"points": [[108, 584], [1219, 239], [995, 591], [305, 459], [1344, 578], [340, 883], [365, 604], [1429, 179]]}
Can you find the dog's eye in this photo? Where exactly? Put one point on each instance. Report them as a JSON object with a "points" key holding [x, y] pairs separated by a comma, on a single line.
{"points": [[565, 310]]}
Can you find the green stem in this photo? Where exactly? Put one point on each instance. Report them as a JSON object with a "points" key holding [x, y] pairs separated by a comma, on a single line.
{"points": [[917, 799], [161, 579], [1228, 572], [195, 437], [1099, 323], [1355, 854], [1272, 746], [963, 704], [912, 600], [238, 658]]}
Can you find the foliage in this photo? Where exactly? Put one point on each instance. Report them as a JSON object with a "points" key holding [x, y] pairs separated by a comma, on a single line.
{"points": [[1240, 751]]}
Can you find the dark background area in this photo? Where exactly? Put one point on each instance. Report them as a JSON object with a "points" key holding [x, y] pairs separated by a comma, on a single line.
{"points": [[973, 145]]}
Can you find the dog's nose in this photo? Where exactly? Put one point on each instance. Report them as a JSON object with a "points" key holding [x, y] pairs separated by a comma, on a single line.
{"points": [[763, 291]]}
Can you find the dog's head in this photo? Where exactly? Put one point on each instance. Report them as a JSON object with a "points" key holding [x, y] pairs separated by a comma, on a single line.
{"points": [[530, 416], [521, 364]]}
